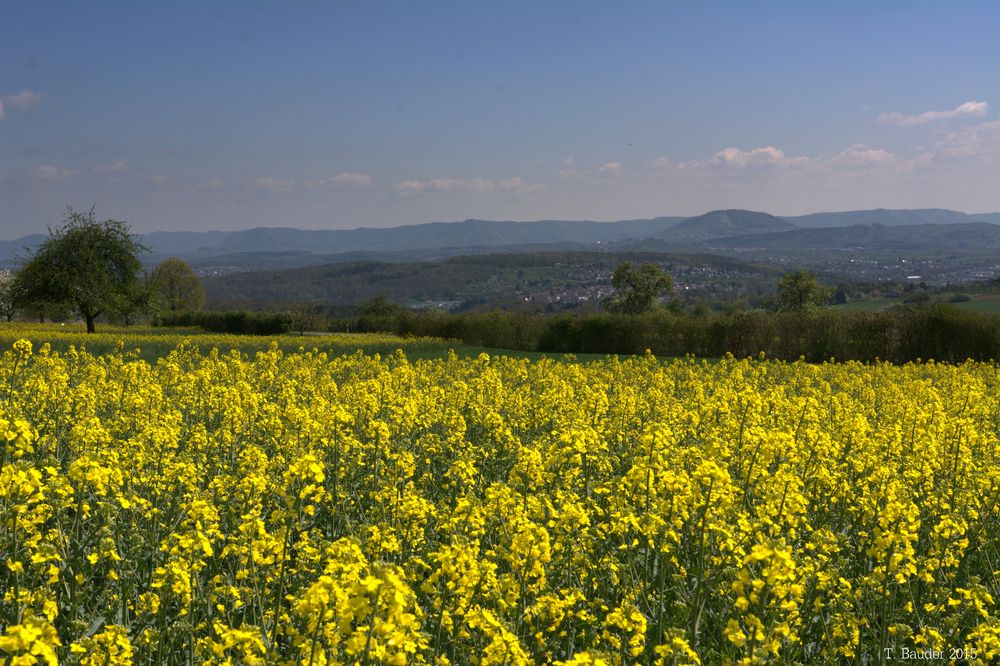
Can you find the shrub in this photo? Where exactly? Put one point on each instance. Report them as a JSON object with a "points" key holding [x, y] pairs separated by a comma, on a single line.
{"points": [[237, 322]]}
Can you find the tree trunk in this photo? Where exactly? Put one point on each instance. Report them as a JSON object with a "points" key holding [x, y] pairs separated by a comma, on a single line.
{"points": [[90, 323]]}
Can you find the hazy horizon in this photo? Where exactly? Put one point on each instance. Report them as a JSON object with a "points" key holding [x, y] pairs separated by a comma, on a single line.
{"points": [[225, 116], [57, 223]]}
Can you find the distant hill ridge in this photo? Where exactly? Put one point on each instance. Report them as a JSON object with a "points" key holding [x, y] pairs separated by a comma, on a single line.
{"points": [[891, 218], [276, 246], [438, 234], [720, 223], [968, 235]]}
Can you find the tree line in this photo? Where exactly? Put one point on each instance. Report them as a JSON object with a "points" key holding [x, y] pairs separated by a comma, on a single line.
{"points": [[91, 268], [940, 332], [642, 289]]}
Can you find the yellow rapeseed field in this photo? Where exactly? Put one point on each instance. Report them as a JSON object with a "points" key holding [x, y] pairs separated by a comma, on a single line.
{"points": [[295, 508], [151, 343]]}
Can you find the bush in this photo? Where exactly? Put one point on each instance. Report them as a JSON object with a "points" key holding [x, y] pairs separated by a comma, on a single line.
{"points": [[944, 333], [237, 322]]}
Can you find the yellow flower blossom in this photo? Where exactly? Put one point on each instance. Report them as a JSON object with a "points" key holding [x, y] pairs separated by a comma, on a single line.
{"points": [[246, 501]]}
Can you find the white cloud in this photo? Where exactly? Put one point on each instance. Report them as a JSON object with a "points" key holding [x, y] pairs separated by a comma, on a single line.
{"points": [[967, 110], [860, 155], [24, 100], [1, 110], [342, 180], [274, 186], [970, 146], [405, 187], [519, 186], [353, 179], [609, 170], [209, 184], [515, 185], [974, 147], [954, 172], [767, 156], [49, 173], [980, 140], [568, 162], [121, 166], [773, 158]]}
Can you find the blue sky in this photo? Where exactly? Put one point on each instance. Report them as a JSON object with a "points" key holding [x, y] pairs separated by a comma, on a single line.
{"points": [[223, 115]]}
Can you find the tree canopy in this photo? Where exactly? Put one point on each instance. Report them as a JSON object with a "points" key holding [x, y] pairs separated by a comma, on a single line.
{"points": [[799, 291], [637, 289], [176, 287], [86, 265]]}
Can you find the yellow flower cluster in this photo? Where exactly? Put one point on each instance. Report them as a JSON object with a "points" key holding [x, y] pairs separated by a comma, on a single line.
{"points": [[152, 342], [298, 508]]}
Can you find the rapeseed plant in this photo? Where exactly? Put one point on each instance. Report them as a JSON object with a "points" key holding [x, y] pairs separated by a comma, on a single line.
{"points": [[299, 508]]}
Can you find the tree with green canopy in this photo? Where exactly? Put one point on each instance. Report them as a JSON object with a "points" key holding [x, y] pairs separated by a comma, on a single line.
{"points": [[175, 287], [86, 265], [799, 291], [637, 289]]}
